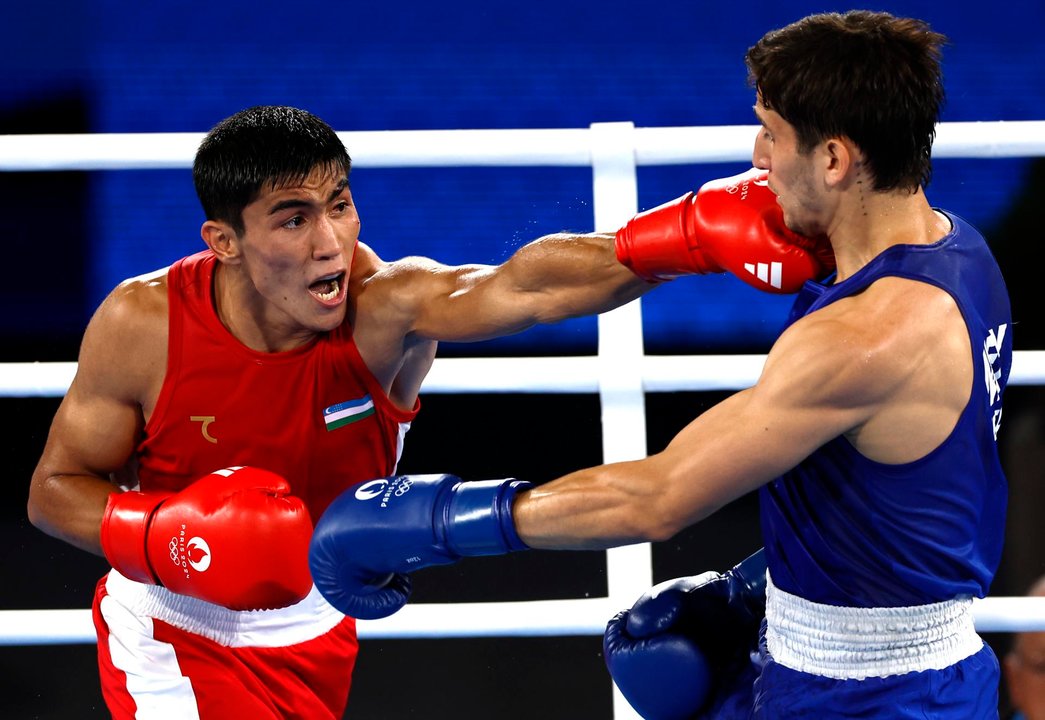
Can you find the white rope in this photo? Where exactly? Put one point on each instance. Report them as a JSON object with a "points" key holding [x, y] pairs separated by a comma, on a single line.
{"points": [[568, 375], [534, 618], [486, 148]]}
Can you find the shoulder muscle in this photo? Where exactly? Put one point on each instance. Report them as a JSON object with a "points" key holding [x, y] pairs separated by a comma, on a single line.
{"points": [[124, 349]]}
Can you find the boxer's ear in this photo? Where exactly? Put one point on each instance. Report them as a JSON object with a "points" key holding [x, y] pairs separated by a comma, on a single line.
{"points": [[222, 240]]}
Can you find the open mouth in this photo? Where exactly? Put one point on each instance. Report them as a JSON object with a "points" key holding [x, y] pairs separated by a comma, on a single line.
{"points": [[329, 287]]}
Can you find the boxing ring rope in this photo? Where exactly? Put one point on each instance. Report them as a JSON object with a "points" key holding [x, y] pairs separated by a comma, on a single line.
{"points": [[486, 148], [548, 375], [620, 372]]}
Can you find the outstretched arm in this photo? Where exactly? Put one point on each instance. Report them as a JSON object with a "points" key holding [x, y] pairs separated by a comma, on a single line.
{"points": [[553, 278], [872, 368], [733, 224], [811, 390]]}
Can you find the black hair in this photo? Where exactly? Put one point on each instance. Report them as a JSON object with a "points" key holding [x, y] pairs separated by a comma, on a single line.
{"points": [[868, 76], [263, 146]]}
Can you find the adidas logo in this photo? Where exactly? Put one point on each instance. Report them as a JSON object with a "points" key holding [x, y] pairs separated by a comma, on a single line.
{"points": [[769, 273]]}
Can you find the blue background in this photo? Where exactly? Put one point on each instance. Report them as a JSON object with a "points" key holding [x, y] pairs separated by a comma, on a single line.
{"points": [[69, 237], [121, 67]]}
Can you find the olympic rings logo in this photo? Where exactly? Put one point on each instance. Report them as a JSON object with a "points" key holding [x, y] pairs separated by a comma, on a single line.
{"points": [[195, 553], [403, 487]]}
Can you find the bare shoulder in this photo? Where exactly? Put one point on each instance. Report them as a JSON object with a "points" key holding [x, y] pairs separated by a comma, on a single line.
{"points": [[881, 335], [365, 262], [393, 293], [124, 349], [886, 364], [385, 297], [375, 283], [909, 324], [368, 267]]}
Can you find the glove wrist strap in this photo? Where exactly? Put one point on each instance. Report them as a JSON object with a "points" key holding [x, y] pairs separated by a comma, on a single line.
{"points": [[661, 243], [750, 575], [479, 518], [125, 525]]}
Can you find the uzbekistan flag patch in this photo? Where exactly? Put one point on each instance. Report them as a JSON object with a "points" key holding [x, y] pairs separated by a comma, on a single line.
{"points": [[348, 412]]}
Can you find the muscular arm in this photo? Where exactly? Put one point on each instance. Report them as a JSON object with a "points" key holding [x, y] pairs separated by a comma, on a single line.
{"points": [[550, 279], [99, 422], [890, 369], [733, 448], [403, 308]]}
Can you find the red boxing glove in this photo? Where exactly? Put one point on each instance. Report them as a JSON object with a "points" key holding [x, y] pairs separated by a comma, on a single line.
{"points": [[235, 537], [732, 224]]}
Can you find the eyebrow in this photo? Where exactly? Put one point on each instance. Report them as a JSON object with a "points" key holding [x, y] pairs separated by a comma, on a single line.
{"points": [[298, 202], [285, 204]]}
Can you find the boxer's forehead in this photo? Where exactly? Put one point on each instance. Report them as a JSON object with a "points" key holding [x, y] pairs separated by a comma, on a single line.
{"points": [[317, 190], [319, 177]]}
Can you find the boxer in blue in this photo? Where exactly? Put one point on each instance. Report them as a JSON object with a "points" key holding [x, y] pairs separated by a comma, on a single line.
{"points": [[871, 436]]}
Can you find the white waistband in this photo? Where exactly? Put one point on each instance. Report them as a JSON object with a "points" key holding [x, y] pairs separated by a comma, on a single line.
{"points": [[298, 623], [857, 643]]}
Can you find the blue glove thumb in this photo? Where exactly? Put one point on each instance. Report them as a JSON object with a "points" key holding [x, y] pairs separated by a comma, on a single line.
{"points": [[663, 677]]}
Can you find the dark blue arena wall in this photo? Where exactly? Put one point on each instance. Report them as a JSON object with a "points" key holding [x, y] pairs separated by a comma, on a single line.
{"points": [[110, 66], [126, 67]]}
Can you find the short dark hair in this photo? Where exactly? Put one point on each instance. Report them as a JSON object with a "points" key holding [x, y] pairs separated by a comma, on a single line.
{"points": [[868, 76], [266, 145]]}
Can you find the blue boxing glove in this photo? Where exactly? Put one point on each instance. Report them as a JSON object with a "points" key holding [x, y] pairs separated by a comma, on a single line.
{"points": [[684, 646], [373, 534]]}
